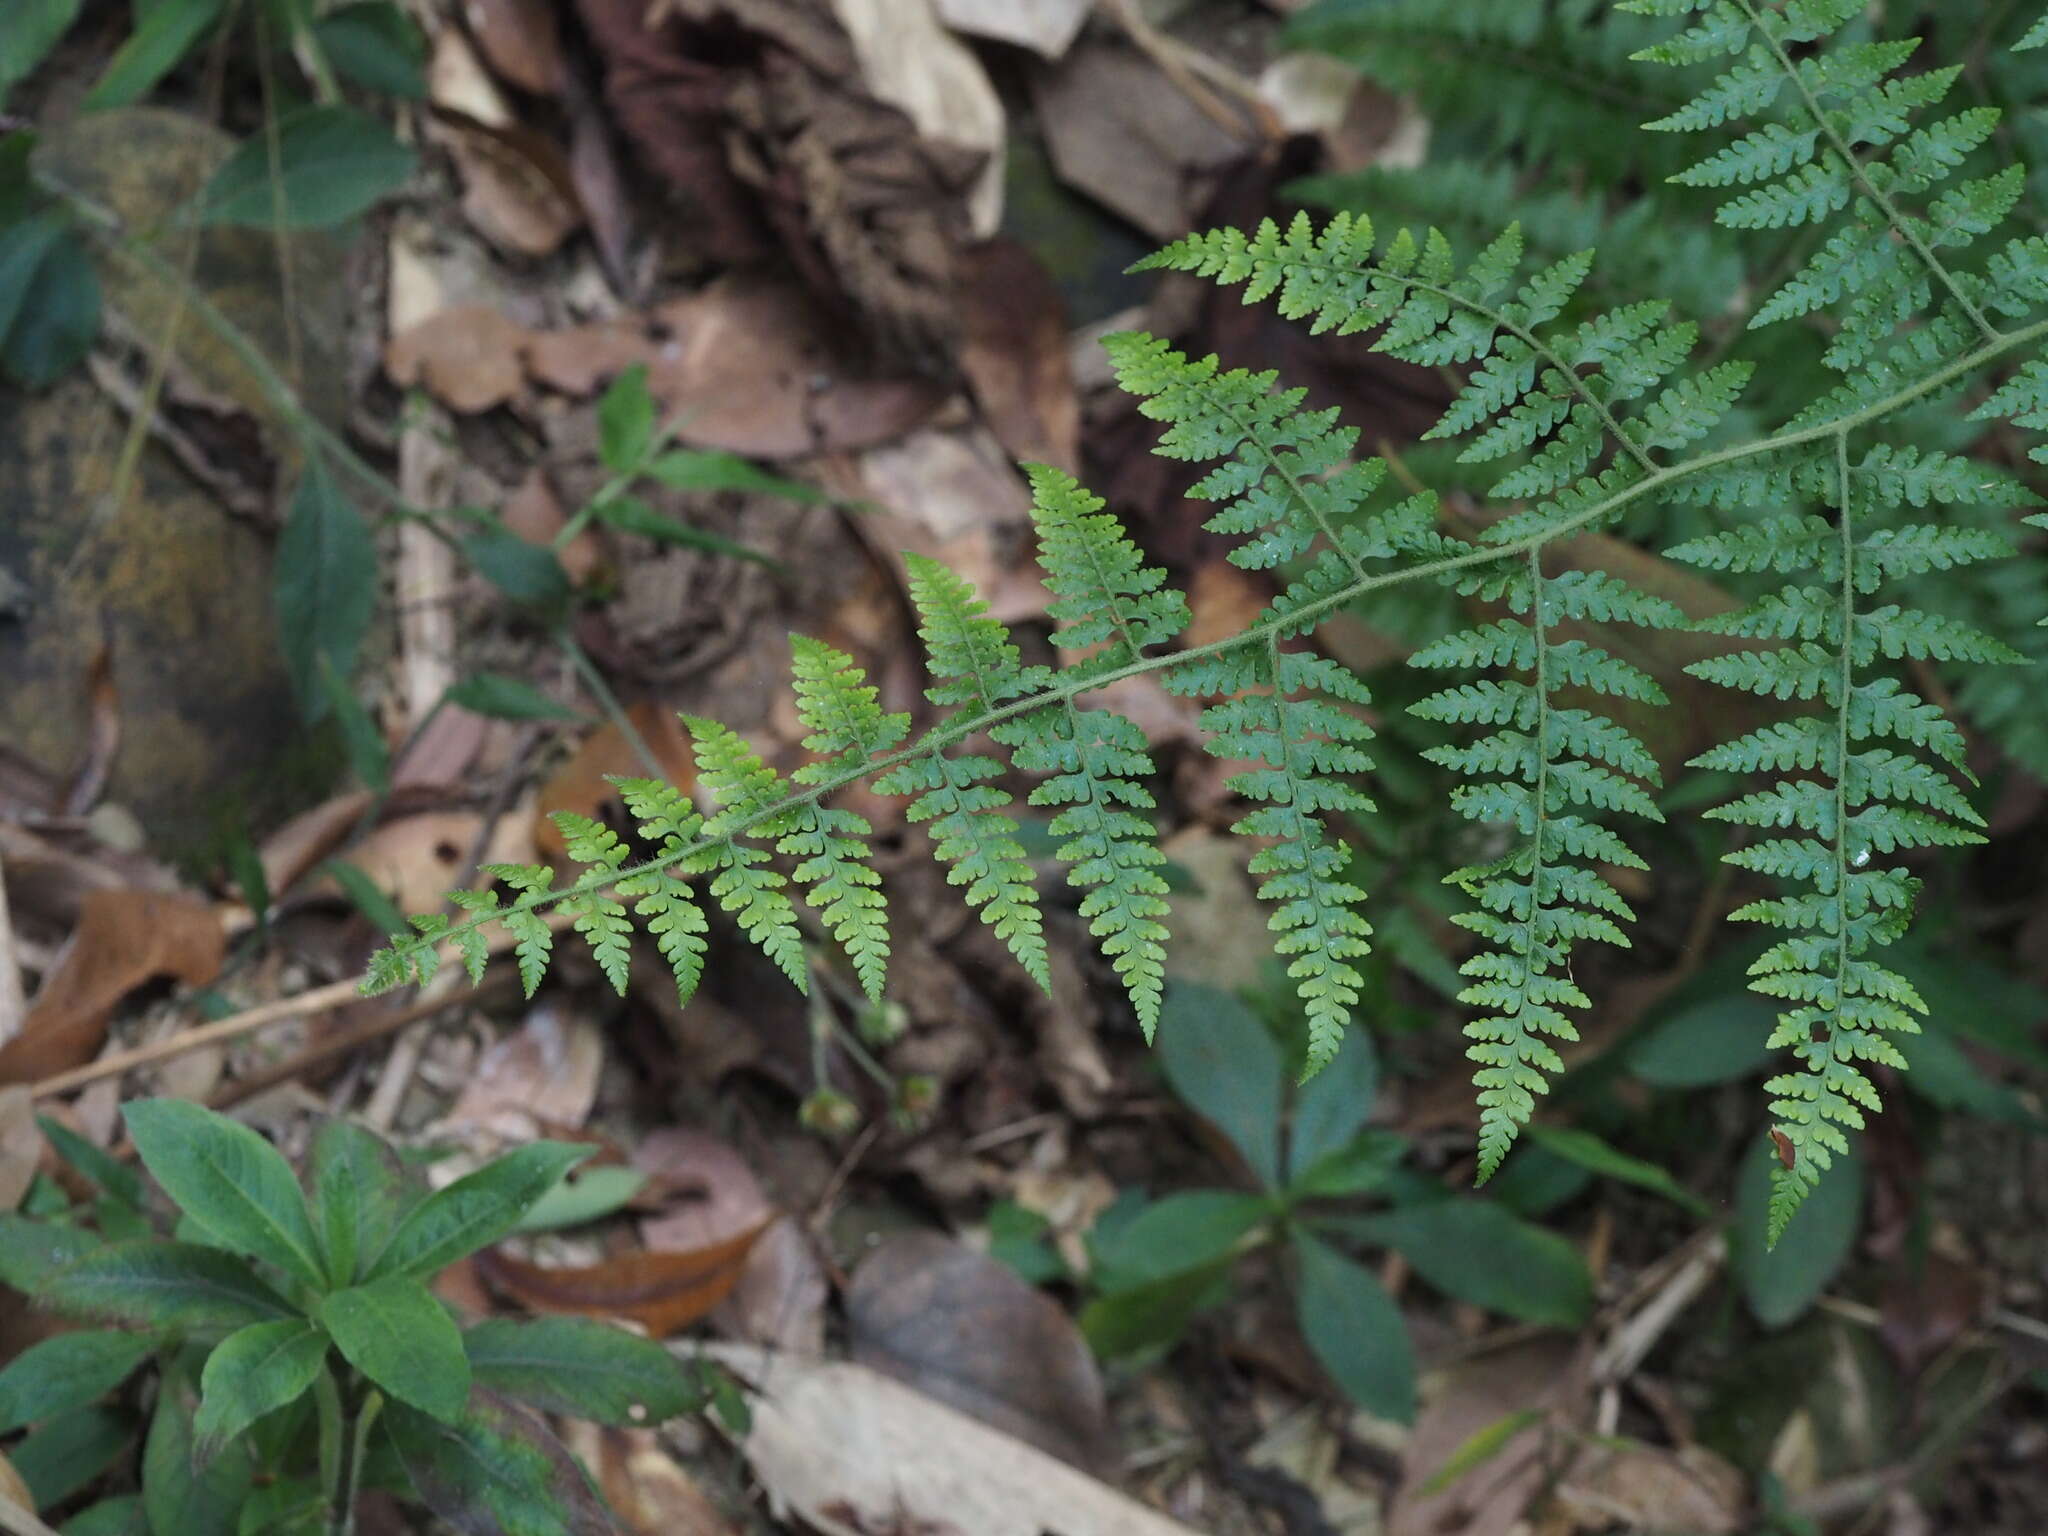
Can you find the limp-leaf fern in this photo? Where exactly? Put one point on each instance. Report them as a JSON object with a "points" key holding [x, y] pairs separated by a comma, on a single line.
{"points": [[1590, 406]]}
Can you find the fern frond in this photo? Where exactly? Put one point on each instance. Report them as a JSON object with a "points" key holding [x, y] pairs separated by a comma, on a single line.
{"points": [[1858, 797], [1539, 774], [1282, 711], [743, 883], [1109, 606], [533, 940], [598, 914], [661, 897], [836, 704]]}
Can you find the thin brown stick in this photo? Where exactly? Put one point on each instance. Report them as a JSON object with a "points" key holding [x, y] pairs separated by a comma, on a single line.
{"points": [[230, 1028], [358, 1034]]}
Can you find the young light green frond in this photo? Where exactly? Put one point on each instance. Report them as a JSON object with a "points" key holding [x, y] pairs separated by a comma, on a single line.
{"points": [[971, 654], [1105, 601], [971, 834], [836, 704], [533, 940], [1094, 761], [2036, 35], [599, 915], [743, 883]]}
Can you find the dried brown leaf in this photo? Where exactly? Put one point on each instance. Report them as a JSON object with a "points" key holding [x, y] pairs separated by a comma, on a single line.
{"points": [[545, 1071], [662, 1292], [124, 938], [1013, 350], [753, 366], [466, 356], [961, 1327]]}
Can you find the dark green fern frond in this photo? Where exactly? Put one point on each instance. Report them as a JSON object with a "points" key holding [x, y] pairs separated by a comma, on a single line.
{"points": [[1840, 131], [1545, 770], [1283, 712], [1856, 795], [1552, 81]]}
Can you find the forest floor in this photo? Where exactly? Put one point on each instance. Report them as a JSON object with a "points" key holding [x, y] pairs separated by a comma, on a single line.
{"points": [[869, 249]]}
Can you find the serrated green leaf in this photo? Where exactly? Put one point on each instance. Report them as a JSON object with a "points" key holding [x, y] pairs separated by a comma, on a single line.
{"points": [[580, 1368], [230, 1180], [396, 1333], [254, 1371], [474, 1211]]}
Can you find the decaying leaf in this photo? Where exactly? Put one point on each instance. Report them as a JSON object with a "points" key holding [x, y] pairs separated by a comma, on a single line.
{"points": [[1013, 350], [662, 1292], [961, 1327], [124, 938], [1120, 131], [467, 357], [416, 860], [544, 1073], [753, 366], [848, 1449], [1047, 27], [646, 1487], [520, 39]]}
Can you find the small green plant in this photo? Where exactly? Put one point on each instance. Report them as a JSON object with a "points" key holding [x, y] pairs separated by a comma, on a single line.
{"points": [[300, 1357], [1326, 1185]]}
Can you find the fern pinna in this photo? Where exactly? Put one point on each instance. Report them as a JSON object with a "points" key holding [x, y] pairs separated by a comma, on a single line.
{"points": [[1589, 406]]}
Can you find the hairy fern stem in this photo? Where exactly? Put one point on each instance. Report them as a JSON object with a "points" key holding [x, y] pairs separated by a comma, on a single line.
{"points": [[952, 732]]}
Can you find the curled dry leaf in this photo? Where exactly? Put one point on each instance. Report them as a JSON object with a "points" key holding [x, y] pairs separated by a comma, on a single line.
{"points": [[466, 356], [662, 1292], [518, 189], [850, 1449], [581, 359], [708, 1190], [963, 1328], [123, 939]]}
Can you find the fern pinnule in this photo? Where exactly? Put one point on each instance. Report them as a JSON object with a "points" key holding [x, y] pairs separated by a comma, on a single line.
{"points": [[976, 667]]}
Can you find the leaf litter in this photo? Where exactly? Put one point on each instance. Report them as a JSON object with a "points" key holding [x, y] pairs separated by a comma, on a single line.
{"points": [[803, 221]]}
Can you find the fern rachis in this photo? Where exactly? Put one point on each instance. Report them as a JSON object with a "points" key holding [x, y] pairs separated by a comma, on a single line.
{"points": [[1588, 412]]}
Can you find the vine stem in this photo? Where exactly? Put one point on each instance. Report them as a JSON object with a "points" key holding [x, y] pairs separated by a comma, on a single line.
{"points": [[1272, 629]]}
